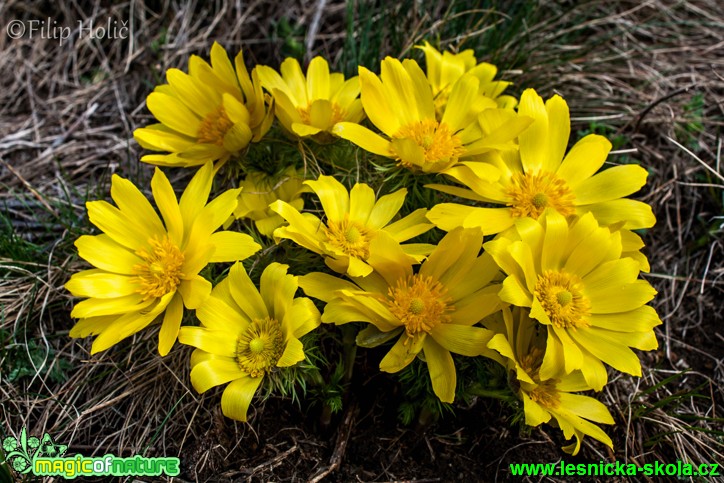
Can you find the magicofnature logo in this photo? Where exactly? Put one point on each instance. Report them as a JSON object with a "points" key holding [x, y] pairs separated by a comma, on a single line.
{"points": [[44, 457]]}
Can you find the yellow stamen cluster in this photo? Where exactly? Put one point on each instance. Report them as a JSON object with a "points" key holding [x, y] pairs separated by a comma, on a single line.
{"points": [[436, 139], [350, 237], [338, 114], [214, 126], [259, 348], [546, 394], [420, 303], [531, 193], [160, 273], [561, 296]]}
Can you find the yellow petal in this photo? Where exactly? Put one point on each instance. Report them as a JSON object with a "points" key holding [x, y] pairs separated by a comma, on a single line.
{"points": [[322, 286], [216, 314], [220, 342], [293, 353], [237, 397], [171, 112], [364, 138], [386, 208], [361, 204], [302, 317], [636, 214], [378, 107], [584, 159], [535, 415], [408, 227], [231, 246], [613, 183], [100, 284], [134, 204], [214, 372], [318, 79], [196, 194], [116, 224], [460, 339], [194, 291], [621, 298], [245, 294], [614, 354], [277, 289], [559, 130], [294, 78], [196, 97], [102, 252], [442, 370], [534, 140], [400, 355], [158, 137], [170, 327], [167, 204], [333, 195]]}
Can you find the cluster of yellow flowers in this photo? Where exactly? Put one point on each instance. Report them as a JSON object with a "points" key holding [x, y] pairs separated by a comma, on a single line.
{"points": [[538, 270]]}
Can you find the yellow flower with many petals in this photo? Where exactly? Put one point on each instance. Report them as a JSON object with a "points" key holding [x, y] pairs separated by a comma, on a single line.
{"points": [[541, 177], [400, 103], [520, 340], [432, 311], [145, 267], [354, 219], [311, 106], [260, 190], [445, 68], [209, 114], [576, 283], [247, 333]]}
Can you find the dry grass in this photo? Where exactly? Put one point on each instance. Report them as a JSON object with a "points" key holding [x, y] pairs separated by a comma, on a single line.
{"points": [[647, 74]]}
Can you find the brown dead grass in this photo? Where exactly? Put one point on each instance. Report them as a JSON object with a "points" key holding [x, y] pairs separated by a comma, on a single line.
{"points": [[66, 117]]}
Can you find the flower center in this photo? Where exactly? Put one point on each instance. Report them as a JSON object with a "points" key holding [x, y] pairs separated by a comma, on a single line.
{"points": [[350, 237], [546, 394], [338, 115], [530, 194], [259, 348], [214, 126], [420, 303], [561, 296], [160, 273], [437, 141]]}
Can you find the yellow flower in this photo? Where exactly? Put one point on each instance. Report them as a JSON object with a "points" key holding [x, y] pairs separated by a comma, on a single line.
{"points": [[354, 219], [520, 340], [145, 267], [576, 283], [246, 333], [539, 177], [432, 311], [400, 104], [444, 69], [260, 190], [311, 106], [209, 114]]}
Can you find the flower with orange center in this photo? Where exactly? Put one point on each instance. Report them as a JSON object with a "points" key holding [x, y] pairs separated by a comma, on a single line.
{"points": [[575, 282], [522, 343], [311, 106], [353, 220], [247, 333], [145, 268], [400, 103], [209, 114], [538, 177], [433, 311]]}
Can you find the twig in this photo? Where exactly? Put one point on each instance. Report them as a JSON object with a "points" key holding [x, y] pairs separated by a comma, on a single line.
{"points": [[342, 438]]}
